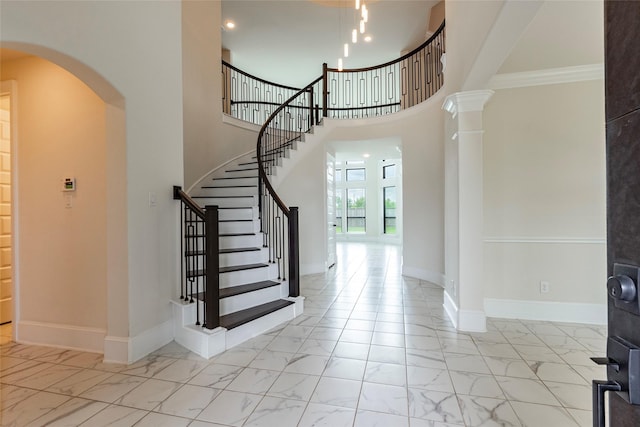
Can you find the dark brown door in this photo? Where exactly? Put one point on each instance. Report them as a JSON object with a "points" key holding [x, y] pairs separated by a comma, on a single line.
{"points": [[622, 86]]}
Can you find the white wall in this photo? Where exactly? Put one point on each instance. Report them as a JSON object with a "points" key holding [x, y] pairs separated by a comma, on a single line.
{"points": [[306, 188], [544, 193], [420, 130], [129, 53], [208, 142], [468, 23]]}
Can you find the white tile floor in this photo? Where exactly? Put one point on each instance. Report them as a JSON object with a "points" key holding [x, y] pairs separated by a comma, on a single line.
{"points": [[373, 348]]}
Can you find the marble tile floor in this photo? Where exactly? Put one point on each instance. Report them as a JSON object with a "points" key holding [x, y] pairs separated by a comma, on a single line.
{"points": [[373, 348]]}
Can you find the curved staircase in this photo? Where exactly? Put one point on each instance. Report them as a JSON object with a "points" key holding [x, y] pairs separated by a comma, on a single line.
{"points": [[252, 298], [240, 272]]}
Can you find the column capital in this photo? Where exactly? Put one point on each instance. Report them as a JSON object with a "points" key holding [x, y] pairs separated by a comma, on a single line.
{"points": [[461, 102]]}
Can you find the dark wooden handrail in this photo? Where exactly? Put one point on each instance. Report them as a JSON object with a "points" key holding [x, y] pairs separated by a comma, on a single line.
{"points": [[199, 254], [225, 63], [261, 163], [394, 61], [279, 223], [178, 194]]}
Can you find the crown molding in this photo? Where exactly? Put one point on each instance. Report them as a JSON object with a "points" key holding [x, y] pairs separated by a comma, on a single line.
{"points": [[549, 76]]}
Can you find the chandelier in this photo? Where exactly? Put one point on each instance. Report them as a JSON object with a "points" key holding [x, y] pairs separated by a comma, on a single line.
{"points": [[361, 18]]}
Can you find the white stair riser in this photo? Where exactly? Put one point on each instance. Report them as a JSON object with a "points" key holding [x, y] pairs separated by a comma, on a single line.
{"points": [[252, 275], [235, 258], [227, 242], [241, 173], [208, 343], [239, 227], [245, 164], [240, 258], [243, 213], [259, 326], [227, 201], [250, 299], [233, 182], [227, 191]]}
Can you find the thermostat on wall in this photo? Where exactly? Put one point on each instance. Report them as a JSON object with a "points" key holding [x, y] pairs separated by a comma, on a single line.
{"points": [[69, 184]]}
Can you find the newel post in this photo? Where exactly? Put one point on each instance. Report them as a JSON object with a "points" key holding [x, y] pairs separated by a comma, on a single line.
{"points": [[325, 92], [312, 120], [294, 253], [212, 267]]}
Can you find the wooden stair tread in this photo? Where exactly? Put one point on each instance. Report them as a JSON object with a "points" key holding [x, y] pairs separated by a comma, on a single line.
{"points": [[239, 318], [231, 268], [235, 177], [233, 250], [241, 170], [223, 251], [229, 186], [249, 287], [220, 197]]}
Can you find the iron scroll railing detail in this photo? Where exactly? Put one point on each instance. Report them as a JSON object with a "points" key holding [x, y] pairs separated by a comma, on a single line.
{"points": [[279, 223], [251, 98], [347, 94], [199, 266], [386, 88], [356, 93]]}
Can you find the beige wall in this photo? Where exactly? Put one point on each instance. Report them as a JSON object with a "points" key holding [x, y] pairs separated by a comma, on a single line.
{"points": [[61, 128], [544, 193], [436, 16]]}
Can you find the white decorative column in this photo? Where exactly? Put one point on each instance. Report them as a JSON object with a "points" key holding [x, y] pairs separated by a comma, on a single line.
{"points": [[464, 263]]}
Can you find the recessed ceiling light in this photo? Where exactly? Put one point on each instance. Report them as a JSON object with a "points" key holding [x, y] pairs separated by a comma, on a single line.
{"points": [[230, 25], [366, 155], [368, 38]]}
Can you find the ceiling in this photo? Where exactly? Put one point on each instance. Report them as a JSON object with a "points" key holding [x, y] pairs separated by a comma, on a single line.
{"points": [[562, 34], [286, 41]]}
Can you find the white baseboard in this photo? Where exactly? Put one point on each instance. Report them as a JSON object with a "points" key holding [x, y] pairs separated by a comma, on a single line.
{"points": [[307, 269], [546, 310], [150, 340], [116, 349], [472, 321], [426, 275], [451, 309], [60, 335], [464, 320]]}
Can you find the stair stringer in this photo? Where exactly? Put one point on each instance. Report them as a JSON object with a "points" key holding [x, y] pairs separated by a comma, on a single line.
{"points": [[317, 135], [220, 170], [209, 343]]}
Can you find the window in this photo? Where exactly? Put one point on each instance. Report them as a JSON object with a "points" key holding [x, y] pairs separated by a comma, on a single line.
{"points": [[338, 176], [389, 196], [356, 210], [339, 210], [356, 174], [388, 171]]}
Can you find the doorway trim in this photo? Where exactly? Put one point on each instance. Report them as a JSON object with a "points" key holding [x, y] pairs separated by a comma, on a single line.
{"points": [[10, 87]]}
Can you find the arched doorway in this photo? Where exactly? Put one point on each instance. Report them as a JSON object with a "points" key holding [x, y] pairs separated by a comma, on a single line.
{"points": [[67, 125]]}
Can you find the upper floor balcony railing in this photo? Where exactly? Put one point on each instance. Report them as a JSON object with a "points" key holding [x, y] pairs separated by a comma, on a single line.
{"points": [[347, 94]]}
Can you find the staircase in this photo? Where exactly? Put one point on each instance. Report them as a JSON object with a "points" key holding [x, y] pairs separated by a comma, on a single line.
{"points": [[252, 299]]}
